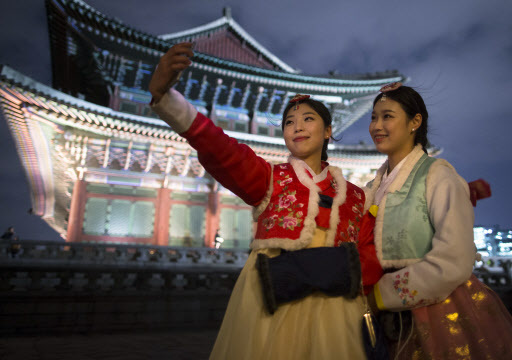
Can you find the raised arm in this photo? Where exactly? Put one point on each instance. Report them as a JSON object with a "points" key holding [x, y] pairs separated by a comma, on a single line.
{"points": [[233, 165]]}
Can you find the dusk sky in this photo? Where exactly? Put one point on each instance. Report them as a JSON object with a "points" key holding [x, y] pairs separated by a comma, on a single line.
{"points": [[457, 54]]}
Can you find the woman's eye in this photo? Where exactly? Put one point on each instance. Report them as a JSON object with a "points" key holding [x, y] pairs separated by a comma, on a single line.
{"points": [[309, 118], [288, 122], [373, 118]]}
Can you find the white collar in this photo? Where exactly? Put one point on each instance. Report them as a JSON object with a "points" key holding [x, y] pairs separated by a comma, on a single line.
{"points": [[388, 180], [316, 178], [394, 172]]}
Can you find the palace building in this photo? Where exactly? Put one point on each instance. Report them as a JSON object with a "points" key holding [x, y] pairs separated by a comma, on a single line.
{"points": [[103, 168]]}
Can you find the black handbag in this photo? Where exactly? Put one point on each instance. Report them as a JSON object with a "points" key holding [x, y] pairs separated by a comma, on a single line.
{"points": [[334, 271]]}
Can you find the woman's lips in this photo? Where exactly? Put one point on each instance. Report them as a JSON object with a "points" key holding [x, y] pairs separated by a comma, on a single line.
{"points": [[379, 138], [300, 138]]}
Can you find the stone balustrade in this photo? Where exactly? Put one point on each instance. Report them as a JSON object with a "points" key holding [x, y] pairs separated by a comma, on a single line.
{"points": [[30, 265], [36, 253], [44, 265], [63, 287]]}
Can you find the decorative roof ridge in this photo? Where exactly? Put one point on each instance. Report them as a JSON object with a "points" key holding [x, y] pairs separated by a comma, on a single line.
{"points": [[357, 76], [231, 65], [216, 24], [379, 80], [28, 83], [112, 20], [227, 20], [260, 47]]}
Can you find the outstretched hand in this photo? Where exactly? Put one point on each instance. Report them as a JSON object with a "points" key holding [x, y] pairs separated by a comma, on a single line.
{"points": [[169, 68]]}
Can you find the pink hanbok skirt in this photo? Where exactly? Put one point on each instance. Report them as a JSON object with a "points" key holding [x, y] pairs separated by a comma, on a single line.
{"points": [[472, 323]]}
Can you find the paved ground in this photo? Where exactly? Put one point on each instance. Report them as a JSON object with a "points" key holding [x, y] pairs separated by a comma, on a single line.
{"points": [[171, 345]]}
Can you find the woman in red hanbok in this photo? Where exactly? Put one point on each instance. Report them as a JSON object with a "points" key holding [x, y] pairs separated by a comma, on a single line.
{"points": [[302, 204]]}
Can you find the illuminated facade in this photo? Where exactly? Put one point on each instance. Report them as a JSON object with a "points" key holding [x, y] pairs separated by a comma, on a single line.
{"points": [[103, 168]]}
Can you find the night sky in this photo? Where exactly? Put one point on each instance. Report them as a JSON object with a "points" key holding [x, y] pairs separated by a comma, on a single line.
{"points": [[458, 55]]}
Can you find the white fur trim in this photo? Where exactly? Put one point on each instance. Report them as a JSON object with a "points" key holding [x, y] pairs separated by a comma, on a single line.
{"points": [[308, 230], [257, 211], [406, 168], [339, 199], [377, 230], [282, 243], [177, 112], [368, 198], [370, 192]]}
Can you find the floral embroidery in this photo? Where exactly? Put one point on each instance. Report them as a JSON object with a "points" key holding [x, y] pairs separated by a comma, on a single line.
{"points": [[352, 233], [357, 195], [334, 185], [283, 166], [286, 201], [393, 245], [269, 222], [358, 210], [287, 179], [407, 295], [289, 222]]}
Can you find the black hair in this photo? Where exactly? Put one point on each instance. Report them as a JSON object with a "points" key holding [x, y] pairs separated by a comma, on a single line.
{"points": [[412, 103], [321, 110]]}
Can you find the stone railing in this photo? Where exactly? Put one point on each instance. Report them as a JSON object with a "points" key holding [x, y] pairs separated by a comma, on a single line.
{"points": [[105, 255], [57, 287], [33, 266], [40, 265]]}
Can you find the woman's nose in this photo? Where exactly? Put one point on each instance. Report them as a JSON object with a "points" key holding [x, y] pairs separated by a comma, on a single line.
{"points": [[377, 124]]}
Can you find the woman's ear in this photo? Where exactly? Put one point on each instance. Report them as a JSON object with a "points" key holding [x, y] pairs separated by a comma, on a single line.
{"points": [[416, 121], [328, 131]]}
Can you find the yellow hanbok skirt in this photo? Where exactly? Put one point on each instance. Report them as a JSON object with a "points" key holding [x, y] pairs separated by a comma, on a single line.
{"points": [[315, 327]]}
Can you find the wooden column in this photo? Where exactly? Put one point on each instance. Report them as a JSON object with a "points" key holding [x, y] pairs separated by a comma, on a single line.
{"points": [[162, 212], [212, 219], [76, 211]]}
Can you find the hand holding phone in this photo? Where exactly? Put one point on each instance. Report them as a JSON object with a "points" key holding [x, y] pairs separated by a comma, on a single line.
{"points": [[169, 69]]}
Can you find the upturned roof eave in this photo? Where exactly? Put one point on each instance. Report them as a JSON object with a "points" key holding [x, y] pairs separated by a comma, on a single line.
{"points": [[12, 76], [157, 43], [231, 24]]}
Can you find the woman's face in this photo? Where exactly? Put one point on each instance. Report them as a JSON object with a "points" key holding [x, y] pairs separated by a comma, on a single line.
{"points": [[304, 132], [391, 130]]}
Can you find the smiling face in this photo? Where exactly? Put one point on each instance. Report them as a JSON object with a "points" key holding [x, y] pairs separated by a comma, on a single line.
{"points": [[304, 133], [392, 130]]}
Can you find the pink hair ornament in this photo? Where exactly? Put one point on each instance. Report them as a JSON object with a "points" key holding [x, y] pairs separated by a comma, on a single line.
{"points": [[297, 99], [389, 87]]}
